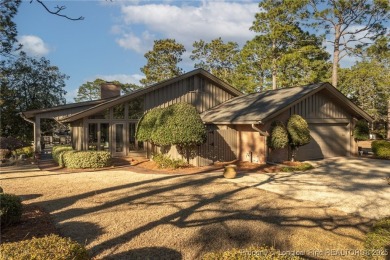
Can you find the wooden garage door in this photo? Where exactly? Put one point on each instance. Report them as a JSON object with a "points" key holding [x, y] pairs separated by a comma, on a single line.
{"points": [[327, 140]]}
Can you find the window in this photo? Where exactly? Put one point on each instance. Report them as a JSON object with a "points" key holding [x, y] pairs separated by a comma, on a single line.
{"points": [[105, 114], [104, 136], [92, 137], [136, 108], [119, 112]]}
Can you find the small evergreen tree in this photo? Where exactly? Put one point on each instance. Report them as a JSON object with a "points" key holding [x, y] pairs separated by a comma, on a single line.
{"points": [[278, 138], [299, 133]]}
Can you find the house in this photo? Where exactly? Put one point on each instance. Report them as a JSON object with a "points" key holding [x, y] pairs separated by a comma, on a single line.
{"points": [[237, 125]]}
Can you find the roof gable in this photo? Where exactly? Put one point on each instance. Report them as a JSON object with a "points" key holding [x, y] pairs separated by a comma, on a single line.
{"points": [[259, 107], [125, 98]]}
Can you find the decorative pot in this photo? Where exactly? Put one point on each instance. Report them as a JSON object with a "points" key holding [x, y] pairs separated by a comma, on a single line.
{"points": [[230, 171]]}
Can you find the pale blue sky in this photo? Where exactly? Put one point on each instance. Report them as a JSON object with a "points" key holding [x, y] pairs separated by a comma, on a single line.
{"points": [[111, 41]]}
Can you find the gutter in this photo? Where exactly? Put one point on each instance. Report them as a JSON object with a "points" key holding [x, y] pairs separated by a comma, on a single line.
{"points": [[25, 118]]}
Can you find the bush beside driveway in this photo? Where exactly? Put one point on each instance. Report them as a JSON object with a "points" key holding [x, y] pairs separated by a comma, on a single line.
{"points": [[123, 214]]}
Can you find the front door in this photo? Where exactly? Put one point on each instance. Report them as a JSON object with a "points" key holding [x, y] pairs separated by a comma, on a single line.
{"points": [[119, 140]]}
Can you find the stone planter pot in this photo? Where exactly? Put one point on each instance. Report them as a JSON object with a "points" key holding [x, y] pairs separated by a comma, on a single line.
{"points": [[230, 171]]}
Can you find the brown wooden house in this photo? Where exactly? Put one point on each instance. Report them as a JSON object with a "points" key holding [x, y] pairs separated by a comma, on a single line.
{"points": [[237, 125]]}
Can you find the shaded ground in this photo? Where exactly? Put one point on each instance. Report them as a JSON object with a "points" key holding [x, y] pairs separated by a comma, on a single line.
{"points": [[35, 222], [354, 185], [121, 214]]}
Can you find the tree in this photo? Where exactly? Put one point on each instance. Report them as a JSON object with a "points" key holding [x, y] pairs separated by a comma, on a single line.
{"points": [[179, 124], [289, 55], [26, 84], [217, 57], [91, 89], [162, 61], [361, 131], [350, 23], [299, 133], [8, 31]]}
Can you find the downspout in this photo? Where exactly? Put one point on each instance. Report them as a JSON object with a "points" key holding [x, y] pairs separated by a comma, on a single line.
{"points": [[25, 118], [266, 134]]}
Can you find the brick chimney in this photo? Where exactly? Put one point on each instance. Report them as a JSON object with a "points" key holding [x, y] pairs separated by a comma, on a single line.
{"points": [[109, 90]]}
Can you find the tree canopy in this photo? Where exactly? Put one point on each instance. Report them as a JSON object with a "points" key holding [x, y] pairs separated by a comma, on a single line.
{"points": [[28, 83], [352, 24], [91, 89], [8, 30], [162, 61]]}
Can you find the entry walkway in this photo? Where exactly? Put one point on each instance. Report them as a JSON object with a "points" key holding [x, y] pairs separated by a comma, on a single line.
{"points": [[354, 185]]}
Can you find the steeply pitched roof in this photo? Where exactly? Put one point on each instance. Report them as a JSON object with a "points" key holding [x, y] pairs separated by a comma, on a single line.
{"points": [[252, 108], [143, 91]]}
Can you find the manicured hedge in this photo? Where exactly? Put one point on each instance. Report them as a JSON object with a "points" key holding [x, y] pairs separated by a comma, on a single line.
{"points": [[10, 209], [298, 131], [58, 152], [28, 151], [49, 247], [87, 159], [164, 161], [381, 149], [66, 156]]}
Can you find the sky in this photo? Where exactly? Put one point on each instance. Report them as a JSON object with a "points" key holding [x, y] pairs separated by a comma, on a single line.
{"points": [[111, 41]]}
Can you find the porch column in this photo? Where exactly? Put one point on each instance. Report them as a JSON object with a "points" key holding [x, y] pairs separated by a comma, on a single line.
{"points": [[37, 134]]}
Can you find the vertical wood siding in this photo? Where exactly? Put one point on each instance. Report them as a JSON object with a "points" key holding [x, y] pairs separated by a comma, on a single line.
{"points": [[319, 106], [194, 90]]}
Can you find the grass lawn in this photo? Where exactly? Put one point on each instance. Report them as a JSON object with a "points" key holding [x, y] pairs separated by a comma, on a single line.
{"points": [[120, 214]]}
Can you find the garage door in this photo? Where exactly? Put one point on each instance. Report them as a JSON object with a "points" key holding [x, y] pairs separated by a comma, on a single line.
{"points": [[327, 140]]}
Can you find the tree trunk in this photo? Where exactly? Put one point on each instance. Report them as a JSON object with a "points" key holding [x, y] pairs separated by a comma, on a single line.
{"points": [[388, 120], [273, 67], [336, 55]]}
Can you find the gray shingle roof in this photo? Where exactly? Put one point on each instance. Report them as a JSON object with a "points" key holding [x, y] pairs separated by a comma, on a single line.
{"points": [[255, 107]]}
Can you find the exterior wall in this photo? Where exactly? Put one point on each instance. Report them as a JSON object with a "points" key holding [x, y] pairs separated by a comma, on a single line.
{"points": [[251, 145], [220, 146], [319, 108], [76, 129], [195, 90]]}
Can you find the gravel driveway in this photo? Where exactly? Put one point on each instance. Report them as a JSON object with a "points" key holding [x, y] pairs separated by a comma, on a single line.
{"points": [[353, 185], [124, 214]]}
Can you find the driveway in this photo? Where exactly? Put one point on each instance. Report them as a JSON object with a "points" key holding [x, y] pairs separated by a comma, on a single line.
{"points": [[353, 185]]}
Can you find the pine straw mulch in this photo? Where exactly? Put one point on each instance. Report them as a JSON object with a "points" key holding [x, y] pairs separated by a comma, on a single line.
{"points": [[35, 222]]}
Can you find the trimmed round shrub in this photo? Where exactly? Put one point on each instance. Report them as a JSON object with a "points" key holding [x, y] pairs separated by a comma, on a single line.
{"points": [[279, 136], [250, 253], [48, 247], [10, 209], [361, 131], [179, 124], [298, 131], [381, 149], [147, 124]]}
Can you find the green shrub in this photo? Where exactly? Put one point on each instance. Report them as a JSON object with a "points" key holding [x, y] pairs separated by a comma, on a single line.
{"points": [[381, 149], [179, 124], [300, 167], [378, 239], [28, 151], [58, 153], [298, 131], [361, 132], [250, 253], [48, 247], [279, 136], [10, 209], [164, 161], [86, 159]]}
